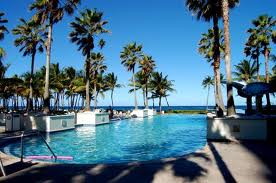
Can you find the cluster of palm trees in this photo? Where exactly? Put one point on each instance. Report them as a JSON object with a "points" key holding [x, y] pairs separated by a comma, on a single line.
{"points": [[50, 84], [35, 35], [208, 10], [261, 36], [146, 79], [215, 44], [65, 84]]}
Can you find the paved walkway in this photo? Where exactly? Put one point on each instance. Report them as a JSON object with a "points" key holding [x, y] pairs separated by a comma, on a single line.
{"points": [[218, 162]]}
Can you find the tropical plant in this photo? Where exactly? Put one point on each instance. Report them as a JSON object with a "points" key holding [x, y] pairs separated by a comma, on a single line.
{"points": [[30, 39], [161, 86], [265, 26], [207, 83], [130, 56], [245, 71], [140, 84], [3, 30], [147, 65], [85, 28], [112, 83], [51, 12], [211, 10], [206, 48], [97, 69]]}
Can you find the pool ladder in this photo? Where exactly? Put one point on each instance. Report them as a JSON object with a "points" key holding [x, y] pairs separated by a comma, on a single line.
{"points": [[43, 139]]}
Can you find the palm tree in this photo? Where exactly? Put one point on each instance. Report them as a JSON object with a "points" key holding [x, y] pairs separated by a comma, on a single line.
{"points": [[161, 86], [245, 71], [206, 48], [58, 84], [97, 68], [30, 39], [3, 30], [51, 12], [147, 65], [211, 10], [112, 83], [273, 58], [227, 57], [207, 83], [85, 28], [130, 56], [140, 83], [264, 26]]}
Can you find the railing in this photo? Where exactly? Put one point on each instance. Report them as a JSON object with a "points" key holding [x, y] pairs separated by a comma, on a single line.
{"points": [[39, 134]]}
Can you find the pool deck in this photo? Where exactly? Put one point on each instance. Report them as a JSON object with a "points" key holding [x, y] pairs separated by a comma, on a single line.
{"points": [[217, 162]]}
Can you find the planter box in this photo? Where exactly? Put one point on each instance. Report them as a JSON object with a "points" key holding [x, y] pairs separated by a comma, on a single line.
{"points": [[140, 113], [151, 112], [49, 123], [240, 128], [92, 118]]}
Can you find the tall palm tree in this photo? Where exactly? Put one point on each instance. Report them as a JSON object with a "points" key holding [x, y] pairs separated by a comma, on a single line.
{"points": [[3, 30], [51, 12], [211, 10], [130, 56], [112, 83], [206, 48], [207, 83], [147, 65], [264, 26], [97, 68], [161, 86], [227, 57], [85, 28], [30, 39], [140, 84]]}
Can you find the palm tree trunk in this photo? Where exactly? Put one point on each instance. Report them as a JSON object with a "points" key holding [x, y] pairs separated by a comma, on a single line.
{"points": [[258, 98], [46, 104], [216, 57], [266, 54], [153, 103], [62, 100], [160, 106], [134, 85], [230, 99], [112, 98], [258, 66], [207, 98], [144, 98], [87, 77], [147, 102], [167, 102], [30, 106], [95, 94]]}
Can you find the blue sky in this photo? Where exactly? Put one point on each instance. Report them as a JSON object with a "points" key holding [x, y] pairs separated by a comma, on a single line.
{"points": [[167, 31]]}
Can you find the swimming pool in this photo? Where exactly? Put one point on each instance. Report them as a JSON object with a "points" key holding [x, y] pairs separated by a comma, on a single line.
{"points": [[123, 141]]}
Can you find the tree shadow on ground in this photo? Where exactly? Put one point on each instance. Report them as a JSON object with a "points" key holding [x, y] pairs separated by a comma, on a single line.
{"points": [[168, 170], [266, 152], [17, 166], [225, 172]]}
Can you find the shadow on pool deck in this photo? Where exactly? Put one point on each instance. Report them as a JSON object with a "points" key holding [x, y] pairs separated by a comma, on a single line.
{"points": [[167, 171], [218, 162]]}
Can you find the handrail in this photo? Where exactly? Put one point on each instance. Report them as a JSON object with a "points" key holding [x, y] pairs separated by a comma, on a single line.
{"points": [[39, 134]]}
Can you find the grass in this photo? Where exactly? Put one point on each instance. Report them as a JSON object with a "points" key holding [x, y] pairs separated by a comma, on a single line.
{"points": [[186, 112]]}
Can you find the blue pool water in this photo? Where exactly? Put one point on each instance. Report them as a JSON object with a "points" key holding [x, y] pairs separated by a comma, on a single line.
{"points": [[123, 141]]}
